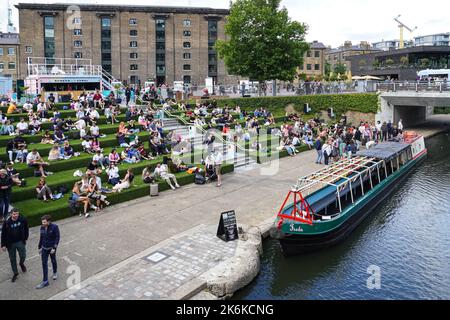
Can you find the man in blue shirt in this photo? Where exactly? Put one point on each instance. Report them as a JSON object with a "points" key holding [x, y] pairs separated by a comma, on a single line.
{"points": [[48, 243]]}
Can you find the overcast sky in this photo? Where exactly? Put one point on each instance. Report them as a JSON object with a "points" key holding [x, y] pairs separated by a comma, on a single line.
{"points": [[330, 21]]}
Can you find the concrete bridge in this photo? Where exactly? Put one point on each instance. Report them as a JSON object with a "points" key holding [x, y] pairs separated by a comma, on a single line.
{"points": [[412, 107]]}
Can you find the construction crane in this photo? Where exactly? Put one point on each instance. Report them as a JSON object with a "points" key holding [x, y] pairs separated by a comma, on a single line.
{"points": [[402, 26]]}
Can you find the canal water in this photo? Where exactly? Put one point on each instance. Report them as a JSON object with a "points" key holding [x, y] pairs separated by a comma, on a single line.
{"points": [[407, 238]]}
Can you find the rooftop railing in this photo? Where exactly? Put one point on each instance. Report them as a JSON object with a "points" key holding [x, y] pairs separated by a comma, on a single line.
{"points": [[439, 86]]}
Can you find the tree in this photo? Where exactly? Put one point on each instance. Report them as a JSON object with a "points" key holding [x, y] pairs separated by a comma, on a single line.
{"points": [[404, 60], [340, 68], [389, 62], [264, 43]]}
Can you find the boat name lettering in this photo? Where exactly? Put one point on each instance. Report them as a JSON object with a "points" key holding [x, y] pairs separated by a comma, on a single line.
{"points": [[294, 229]]}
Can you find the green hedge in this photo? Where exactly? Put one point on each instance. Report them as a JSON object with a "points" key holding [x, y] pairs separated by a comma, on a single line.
{"points": [[34, 209], [341, 103]]}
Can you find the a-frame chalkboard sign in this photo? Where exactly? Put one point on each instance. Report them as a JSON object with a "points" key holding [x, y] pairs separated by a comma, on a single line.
{"points": [[228, 230]]}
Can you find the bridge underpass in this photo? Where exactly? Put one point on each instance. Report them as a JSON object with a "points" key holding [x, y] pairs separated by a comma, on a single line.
{"points": [[414, 108]]}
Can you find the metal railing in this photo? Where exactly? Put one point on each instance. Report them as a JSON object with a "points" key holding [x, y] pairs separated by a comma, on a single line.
{"points": [[413, 86], [64, 66]]}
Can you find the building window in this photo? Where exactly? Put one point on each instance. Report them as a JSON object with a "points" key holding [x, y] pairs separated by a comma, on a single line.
{"points": [[212, 68], [187, 79], [160, 70], [133, 44], [77, 20], [49, 37], [212, 55], [1, 51], [187, 23], [2, 66], [134, 79], [186, 67], [317, 67], [78, 43], [133, 55], [11, 65], [77, 32], [186, 33], [133, 21], [302, 67], [160, 24], [308, 54], [133, 66], [133, 33], [317, 54], [186, 45], [187, 56], [28, 49], [11, 51], [78, 55], [160, 58], [308, 66], [106, 44]]}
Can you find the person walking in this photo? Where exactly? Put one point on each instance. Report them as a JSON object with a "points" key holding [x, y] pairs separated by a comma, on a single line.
{"points": [[218, 159], [6, 184], [14, 238], [318, 146], [48, 243]]}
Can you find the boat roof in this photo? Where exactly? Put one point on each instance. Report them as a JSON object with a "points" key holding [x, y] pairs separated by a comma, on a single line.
{"points": [[384, 151]]}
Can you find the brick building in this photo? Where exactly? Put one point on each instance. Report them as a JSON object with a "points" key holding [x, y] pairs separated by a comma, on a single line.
{"points": [[9, 55], [133, 43], [314, 61]]}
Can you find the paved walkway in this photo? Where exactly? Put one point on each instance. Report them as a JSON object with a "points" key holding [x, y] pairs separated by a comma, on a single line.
{"points": [[125, 230]]}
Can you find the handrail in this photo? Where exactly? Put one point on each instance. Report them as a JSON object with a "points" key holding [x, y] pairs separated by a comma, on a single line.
{"points": [[204, 131]]}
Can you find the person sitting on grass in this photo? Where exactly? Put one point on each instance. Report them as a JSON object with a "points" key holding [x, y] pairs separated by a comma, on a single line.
{"points": [[59, 136], [43, 191], [121, 140], [125, 183], [94, 130], [54, 153], [34, 160], [95, 145], [22, 127], [68, 150], [142, 153], [162, 171], [101, 159], [47, 138], [14, 174], [147, 175], [113, 174], [87, 146], [7, 128], [93, 167], [94, 193], [114, 157], [175, 164], [78, 196]]}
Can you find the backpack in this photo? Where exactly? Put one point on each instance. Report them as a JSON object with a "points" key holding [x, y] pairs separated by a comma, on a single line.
{"points": [[62, 189], [199, 179]]}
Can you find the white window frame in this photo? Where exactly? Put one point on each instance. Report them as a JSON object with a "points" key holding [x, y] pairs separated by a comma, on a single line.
{"points": [[9, 63], [28, 47], [190, 46], [190, 56], [134, 53], [134, 42], [134, 20], [134, 64], [81, 32], [77, 21], [190, 67], [187, 23], [14, 51], [78, 41]]}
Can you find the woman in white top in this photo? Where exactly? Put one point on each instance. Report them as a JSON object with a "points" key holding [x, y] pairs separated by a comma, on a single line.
{"points": [[125, 183]]}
